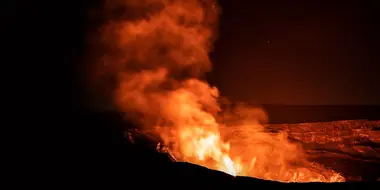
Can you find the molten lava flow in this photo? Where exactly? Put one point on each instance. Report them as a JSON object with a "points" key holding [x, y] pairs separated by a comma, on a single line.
{"points": [[158, 54]]}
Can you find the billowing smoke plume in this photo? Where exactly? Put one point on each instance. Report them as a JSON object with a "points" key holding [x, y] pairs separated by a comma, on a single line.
{"points": [[158, 54]]}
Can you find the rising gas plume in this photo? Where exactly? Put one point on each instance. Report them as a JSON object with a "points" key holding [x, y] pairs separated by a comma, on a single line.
{"points": [[158, 53]]}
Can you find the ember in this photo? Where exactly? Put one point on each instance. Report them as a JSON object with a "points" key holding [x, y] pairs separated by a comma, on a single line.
{"points": [[159, 59]]}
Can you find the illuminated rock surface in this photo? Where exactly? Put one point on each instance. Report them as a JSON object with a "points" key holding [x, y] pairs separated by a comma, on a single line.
{"points": [[350, 148]]}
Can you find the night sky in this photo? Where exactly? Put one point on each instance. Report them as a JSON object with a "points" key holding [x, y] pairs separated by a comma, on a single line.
{"points": [[298, 52], [292, 52]]}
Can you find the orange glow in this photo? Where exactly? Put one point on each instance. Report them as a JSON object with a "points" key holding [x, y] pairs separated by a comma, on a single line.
{"points": [[160, 58]]}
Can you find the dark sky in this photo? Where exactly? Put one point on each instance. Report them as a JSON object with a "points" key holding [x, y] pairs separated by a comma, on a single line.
{"points": [[298, 52], [293, 52]]}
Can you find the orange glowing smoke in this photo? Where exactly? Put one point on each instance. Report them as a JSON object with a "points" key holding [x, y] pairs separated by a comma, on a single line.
{"points": [[158, 54]]}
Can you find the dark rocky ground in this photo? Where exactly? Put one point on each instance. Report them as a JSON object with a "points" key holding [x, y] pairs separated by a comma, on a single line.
{"points": [[101, 156]]}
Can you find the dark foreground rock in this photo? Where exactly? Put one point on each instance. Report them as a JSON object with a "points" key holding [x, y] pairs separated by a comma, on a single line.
{"points": [[105, 158]]}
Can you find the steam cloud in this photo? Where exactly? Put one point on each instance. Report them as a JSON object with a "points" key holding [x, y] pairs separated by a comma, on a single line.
{"points": [[158, 55]]}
